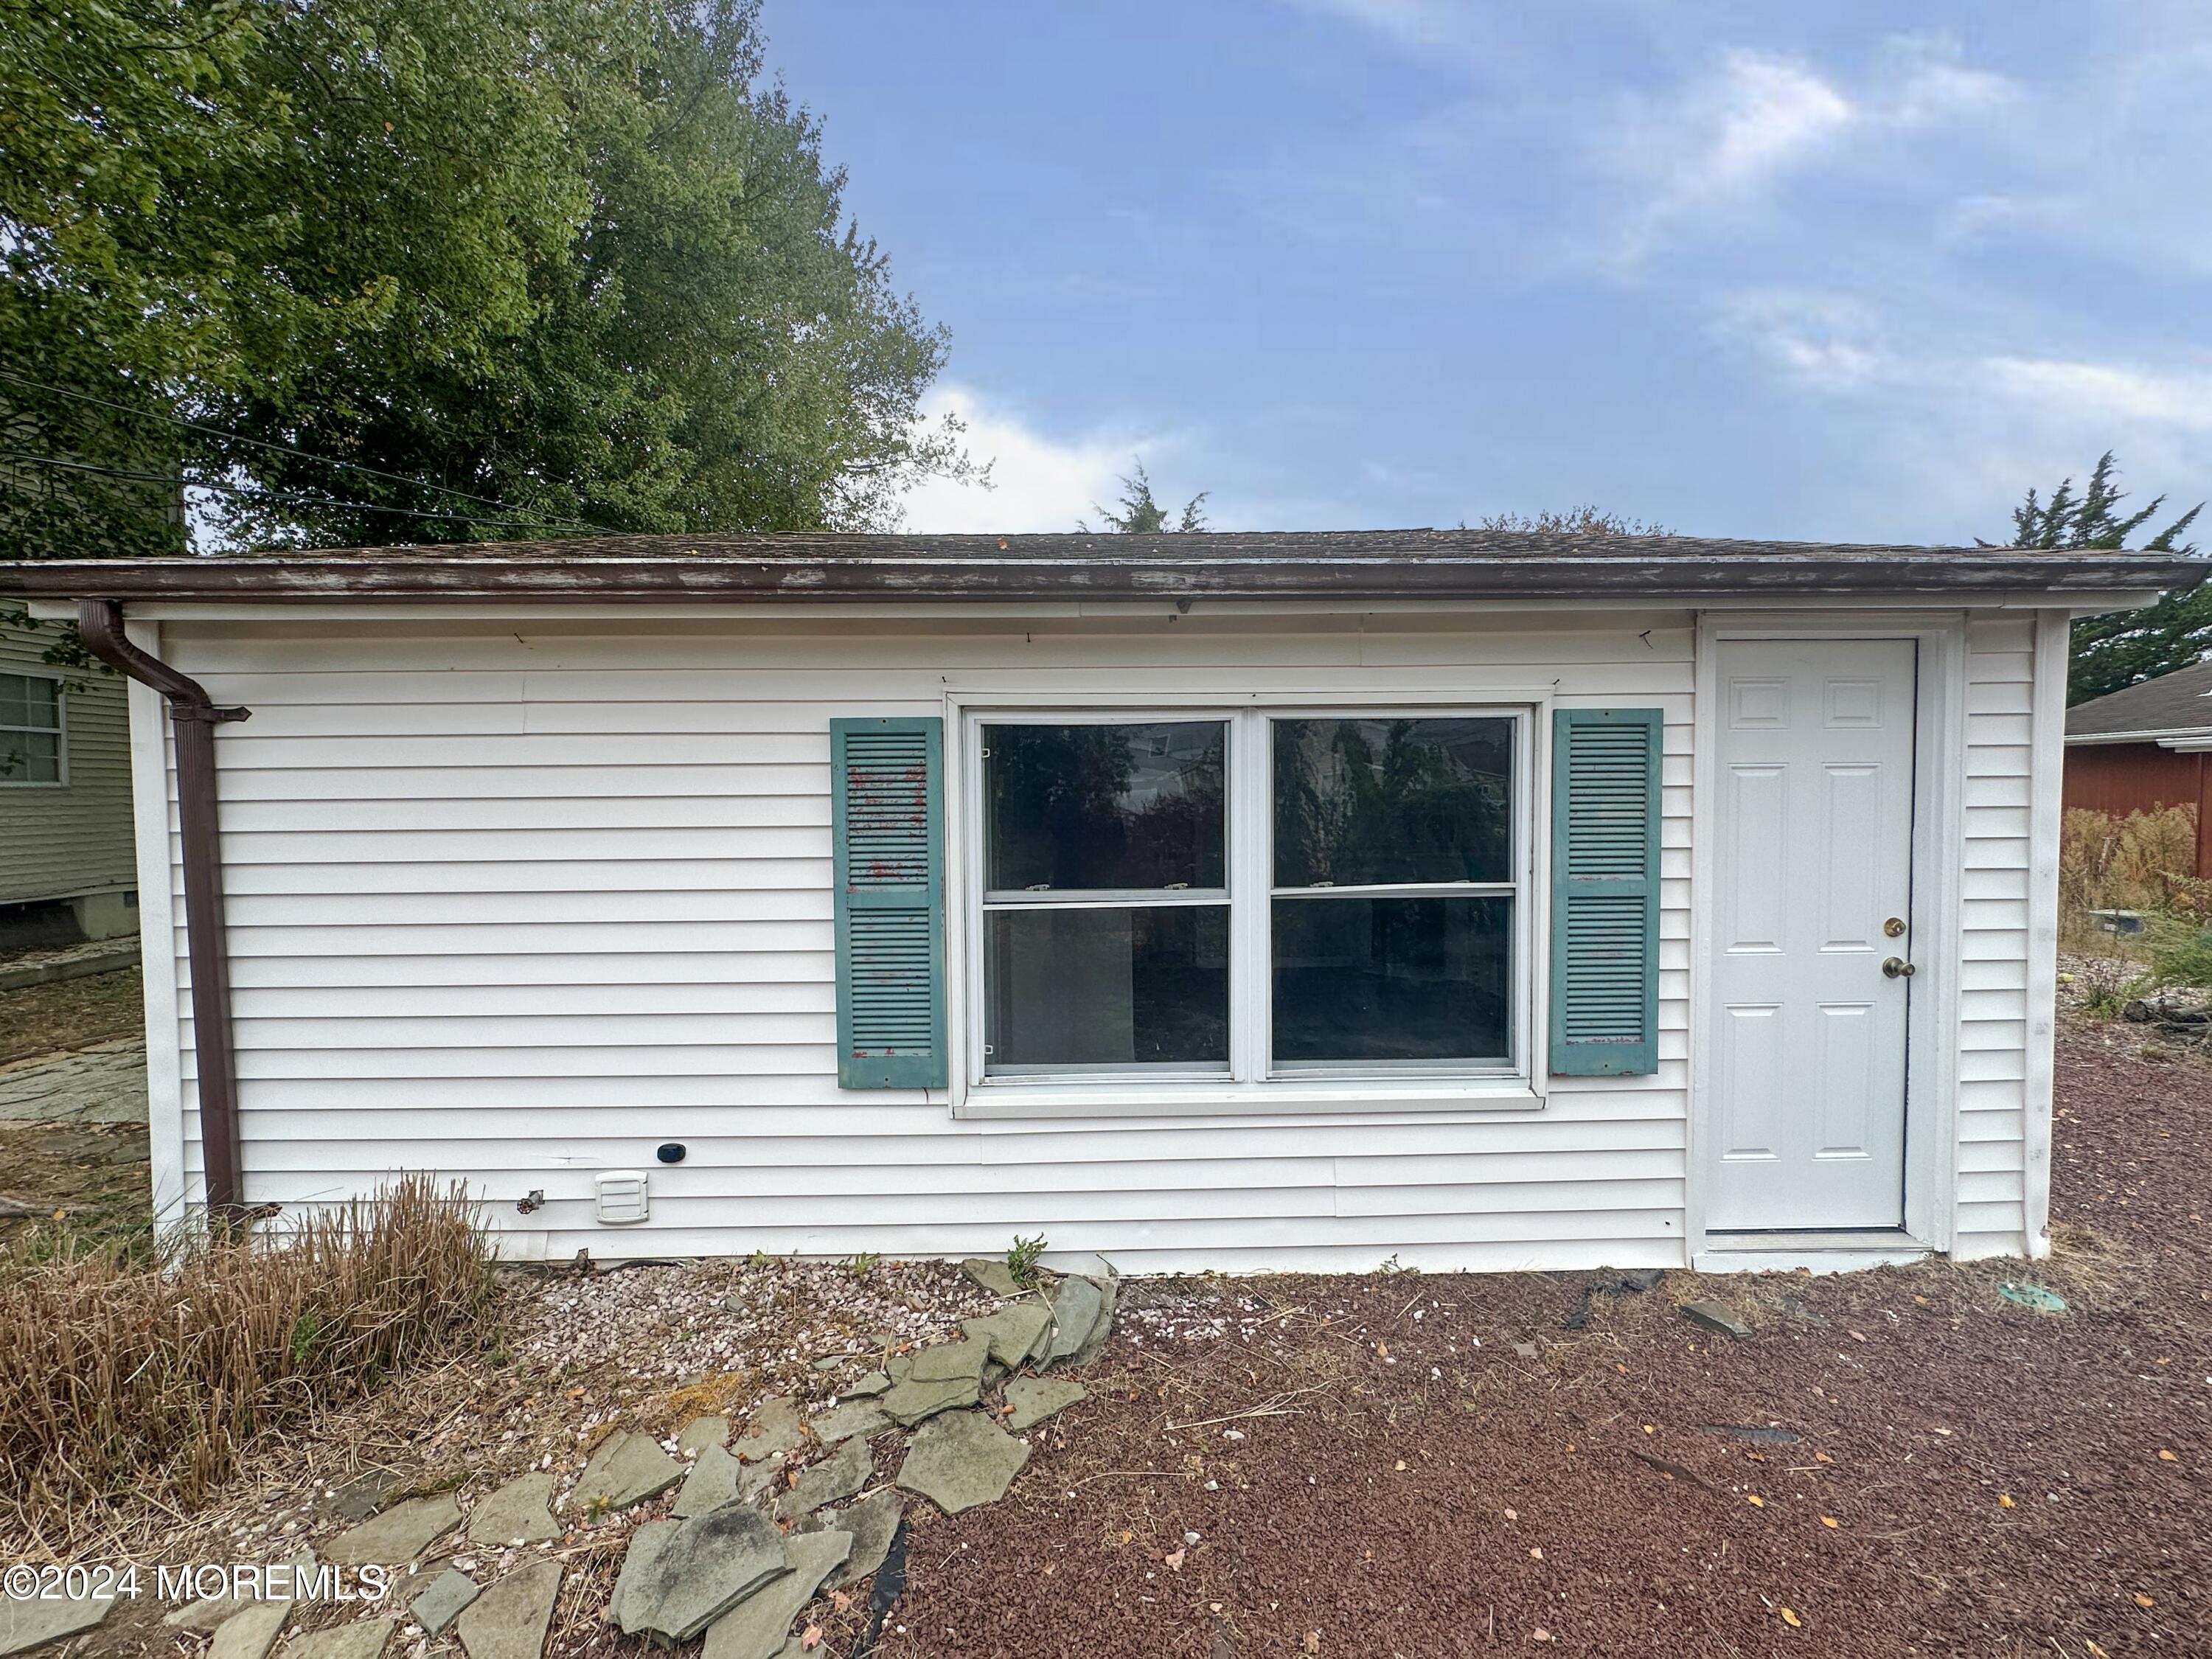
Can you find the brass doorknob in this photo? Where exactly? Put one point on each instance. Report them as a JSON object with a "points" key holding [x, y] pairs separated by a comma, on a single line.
{"points": [[1897, 968]]}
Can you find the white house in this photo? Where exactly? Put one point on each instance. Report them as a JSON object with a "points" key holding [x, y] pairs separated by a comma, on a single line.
{"points": [[1244, 902]]}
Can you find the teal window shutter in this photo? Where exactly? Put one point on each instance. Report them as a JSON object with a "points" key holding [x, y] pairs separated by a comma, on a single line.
{"points": [[887, 825], [1605, 891]]}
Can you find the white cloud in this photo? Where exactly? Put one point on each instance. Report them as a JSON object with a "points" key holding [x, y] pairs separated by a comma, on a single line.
{"points": [[1762, 116], [2110, 393], [1037, 482], [1821, 340]]}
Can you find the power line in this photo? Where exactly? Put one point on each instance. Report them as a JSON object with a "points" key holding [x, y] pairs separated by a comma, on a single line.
{"points": [[283, 449], [263, 497]]}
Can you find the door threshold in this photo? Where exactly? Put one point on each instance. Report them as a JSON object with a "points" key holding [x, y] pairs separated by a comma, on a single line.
{"points": [[1840, 1252]]}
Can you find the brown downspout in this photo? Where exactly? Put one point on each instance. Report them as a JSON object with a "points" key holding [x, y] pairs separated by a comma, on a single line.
{"points": [[194, 715]]}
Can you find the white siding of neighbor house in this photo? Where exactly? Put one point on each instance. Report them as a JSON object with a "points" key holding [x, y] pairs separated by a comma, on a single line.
{"points": [[518, 901], [66, 841]]}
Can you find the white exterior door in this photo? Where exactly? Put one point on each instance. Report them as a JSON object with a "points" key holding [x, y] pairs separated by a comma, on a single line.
{"points": [[1813, 895]]}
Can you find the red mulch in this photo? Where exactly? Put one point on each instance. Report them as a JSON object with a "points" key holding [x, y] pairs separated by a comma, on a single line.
{"points": [[1427, 1489]]}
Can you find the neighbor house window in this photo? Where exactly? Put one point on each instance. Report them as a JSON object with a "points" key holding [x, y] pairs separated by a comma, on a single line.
{"points": [[30, 729], [1252, 895]]}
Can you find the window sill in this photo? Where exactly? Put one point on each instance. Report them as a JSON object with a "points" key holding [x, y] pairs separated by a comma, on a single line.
{"points": [[1340, 1095]]}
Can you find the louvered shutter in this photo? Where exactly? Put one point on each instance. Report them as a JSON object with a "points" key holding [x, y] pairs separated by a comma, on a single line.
{"points": [[887, 824], [1605, 891]]}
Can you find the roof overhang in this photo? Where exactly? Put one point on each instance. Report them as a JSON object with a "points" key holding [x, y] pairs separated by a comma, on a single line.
{"points": [[2170, 737], [1337, 567]]}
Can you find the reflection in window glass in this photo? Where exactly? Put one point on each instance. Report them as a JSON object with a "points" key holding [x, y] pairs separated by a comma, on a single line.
{"points": [[30, 729], [1104, 806], [1118, 987], [1365, 802], [1374, 980]]}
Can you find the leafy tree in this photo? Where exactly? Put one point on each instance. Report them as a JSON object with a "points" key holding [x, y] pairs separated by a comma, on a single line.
{"points": [[2126, 646], [1140, 515], [1585, 521], [521, 266]]}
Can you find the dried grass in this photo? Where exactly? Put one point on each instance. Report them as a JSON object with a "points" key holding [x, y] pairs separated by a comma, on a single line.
{"points": [[141, 1372], [2140, 861]]}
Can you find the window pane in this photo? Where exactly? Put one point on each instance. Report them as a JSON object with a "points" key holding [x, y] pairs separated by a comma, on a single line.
{"points": [[30, 757], [1108, 988], [1364, 979], [1359, 802], [14, 700], [1104, 806]]}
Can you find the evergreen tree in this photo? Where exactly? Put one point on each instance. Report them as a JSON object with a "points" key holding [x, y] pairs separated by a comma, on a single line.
{"points": [[1140, 515]]}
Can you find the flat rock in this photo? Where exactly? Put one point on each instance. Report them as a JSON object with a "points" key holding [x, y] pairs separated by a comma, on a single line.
{"points": [[1716, 1317], [760, 1626], [363, 1639], [836, 1477], [950, 1362], [32, 1624], [1012, 1332], [508, 1621], [691, 1576], [701, 1432], [627, 1468], [519, 1512], [446, 1599], [711, 1483], [204, 1615], [872, 1523], [869, 1387], [1075, 1312], [400, 1534], [1104, 1327], [960, 1460], [995, 1277], [909, 1402], [638, 1561], [773, 1428], [1036, 1398], [854, 1419], [250, 1634]]}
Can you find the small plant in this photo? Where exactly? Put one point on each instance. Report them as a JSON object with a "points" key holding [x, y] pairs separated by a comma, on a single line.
{"points": [[1393, 1268], [1022, 1258], [860, 1265], [760, 1258]]}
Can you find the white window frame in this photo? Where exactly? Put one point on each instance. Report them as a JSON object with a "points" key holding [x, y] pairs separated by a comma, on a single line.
{"points": [[60, 729], [1252, 1084]]}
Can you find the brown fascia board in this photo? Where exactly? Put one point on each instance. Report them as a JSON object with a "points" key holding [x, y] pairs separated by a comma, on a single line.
{"points": [[1349, 566]]}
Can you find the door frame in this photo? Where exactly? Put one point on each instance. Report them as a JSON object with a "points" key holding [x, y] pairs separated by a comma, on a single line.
{"points": [[1938, 860]]}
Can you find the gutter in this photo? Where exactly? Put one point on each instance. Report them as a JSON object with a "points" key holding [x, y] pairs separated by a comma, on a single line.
{"points": [[194, 716]]}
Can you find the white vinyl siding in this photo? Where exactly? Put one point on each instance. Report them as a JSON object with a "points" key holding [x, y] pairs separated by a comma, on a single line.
{"points": [[64, 841], [518, 909]]}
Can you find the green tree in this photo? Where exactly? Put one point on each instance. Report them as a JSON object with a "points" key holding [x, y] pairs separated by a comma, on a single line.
{"points": [[1585, 521], [1140, 515], [2117, 650], [520, 265]]}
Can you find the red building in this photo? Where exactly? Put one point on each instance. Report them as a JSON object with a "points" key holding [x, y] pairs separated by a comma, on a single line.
{"points": [[2145, 747]]}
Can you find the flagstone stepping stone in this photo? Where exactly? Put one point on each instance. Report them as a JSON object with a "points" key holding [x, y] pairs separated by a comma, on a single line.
{"points": [[400, 1534], [855, 1417], [645, 1545], [701, 1432], [509, 1619], [1012, 1332], [519, 1512], [363, 1639], [909, 1402], [32, 1624], [960, 1460], [872, 1522], [627, 1468], [446, 1599], [1075, 1311], [869, 1387], [833, 1479], [949, 1361], [204, 1615], [694, 1575], [1716, 1317], [758, 1627], [773, 1428], [1103, 1329], [1036, 1398], [995, 1277], [250, 1633], [711, 1483]]}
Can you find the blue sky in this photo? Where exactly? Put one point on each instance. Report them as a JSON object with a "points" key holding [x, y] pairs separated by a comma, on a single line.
{"points": [[1835, 269]]}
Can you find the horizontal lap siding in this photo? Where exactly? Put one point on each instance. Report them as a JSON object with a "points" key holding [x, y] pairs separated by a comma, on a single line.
{"points": [[64, 842], [1993, 1012], [519, 910]]}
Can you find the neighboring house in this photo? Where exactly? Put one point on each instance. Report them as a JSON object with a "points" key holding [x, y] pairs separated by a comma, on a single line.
{"points": [[68, 865], [1238, 901], [2144, 748]]}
